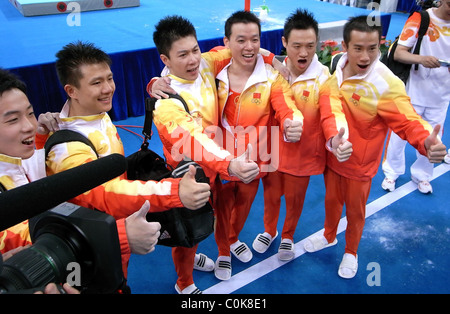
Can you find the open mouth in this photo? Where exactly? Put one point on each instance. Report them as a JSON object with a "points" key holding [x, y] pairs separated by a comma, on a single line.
{"points": [[363, 66], [302, 62], [248, 56], [28, 141]]}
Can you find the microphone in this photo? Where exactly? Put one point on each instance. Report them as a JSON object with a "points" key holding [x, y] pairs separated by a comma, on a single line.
{"points": [[27, 201]]}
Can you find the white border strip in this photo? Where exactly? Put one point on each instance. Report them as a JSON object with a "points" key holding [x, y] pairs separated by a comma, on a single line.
{"points": [[271, 263]]}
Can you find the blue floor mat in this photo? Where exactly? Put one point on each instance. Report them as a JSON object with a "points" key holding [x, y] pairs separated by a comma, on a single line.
{"points": [[407, 239]]}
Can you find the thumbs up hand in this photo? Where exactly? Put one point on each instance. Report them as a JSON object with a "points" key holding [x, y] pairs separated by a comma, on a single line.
{"points": [[142, 235], [193, 194], [243, 167], [292, 130], [341, 147], [436, 151]]}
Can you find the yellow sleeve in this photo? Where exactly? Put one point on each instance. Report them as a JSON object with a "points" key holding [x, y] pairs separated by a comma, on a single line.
{"points": [[283, 101], [118, 197], [331, 110], [397, 111], [182, 136]]}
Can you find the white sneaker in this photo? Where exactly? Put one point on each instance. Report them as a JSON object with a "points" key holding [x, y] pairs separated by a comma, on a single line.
{"points": [[447, 157], [286, 250], [423, 186], [388, 184], [348, 266], [192, 289], [263, 241], [241, 251], [317, 243], [222, 269], [203, 262]]}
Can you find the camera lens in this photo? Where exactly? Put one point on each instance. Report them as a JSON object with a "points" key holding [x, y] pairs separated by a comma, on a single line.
{"points": [[71, 244], [38, 265]]}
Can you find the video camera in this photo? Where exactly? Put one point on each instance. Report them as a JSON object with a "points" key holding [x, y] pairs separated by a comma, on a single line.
{"points": [[69, 243]]}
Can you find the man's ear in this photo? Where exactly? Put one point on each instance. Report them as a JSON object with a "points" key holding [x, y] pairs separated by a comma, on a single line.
{"points": [[226, 42], [284, 41], [70, 90], [165, 59], [344, 46]]}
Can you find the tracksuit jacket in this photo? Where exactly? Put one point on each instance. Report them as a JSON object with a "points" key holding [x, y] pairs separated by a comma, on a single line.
{"points": [[266, 94], [371, 103], [307, 157], [192, 134]]}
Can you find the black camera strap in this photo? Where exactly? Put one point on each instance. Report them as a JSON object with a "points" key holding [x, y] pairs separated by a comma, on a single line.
{"points": [[150, 103]]}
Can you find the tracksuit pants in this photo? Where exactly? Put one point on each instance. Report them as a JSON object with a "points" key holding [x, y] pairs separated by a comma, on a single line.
{"points": [[276, 184], [235, 199], [354, 194]]}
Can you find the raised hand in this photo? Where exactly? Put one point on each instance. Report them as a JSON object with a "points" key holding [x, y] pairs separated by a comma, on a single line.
{"points": [[341, 147], [142, 235], [193, 194], [436, 151], [243, 167], [292, 130]]}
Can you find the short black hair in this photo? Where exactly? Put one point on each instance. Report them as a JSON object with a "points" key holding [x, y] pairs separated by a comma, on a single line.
{"points": [[245, 17], [300, 19], [170, 29], [361, 24], [72, 56], [9, 81]]}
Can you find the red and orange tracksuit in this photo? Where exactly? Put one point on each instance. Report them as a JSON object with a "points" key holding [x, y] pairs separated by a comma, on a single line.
{"points": [[298, 161], [246, 119], [118, 197], [195, 136], [190, 134], [371, 103]]}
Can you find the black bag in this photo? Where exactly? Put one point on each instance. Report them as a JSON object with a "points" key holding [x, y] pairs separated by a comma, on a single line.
{"points": [[179, 226], [402, 70], [182, 226], [146, 165]]}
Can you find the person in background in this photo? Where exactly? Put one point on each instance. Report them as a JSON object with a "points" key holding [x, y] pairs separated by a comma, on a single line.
{"points": [[428, 87]]}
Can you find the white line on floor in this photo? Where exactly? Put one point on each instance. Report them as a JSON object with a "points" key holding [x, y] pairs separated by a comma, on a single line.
{"points": [[271, 263]]}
